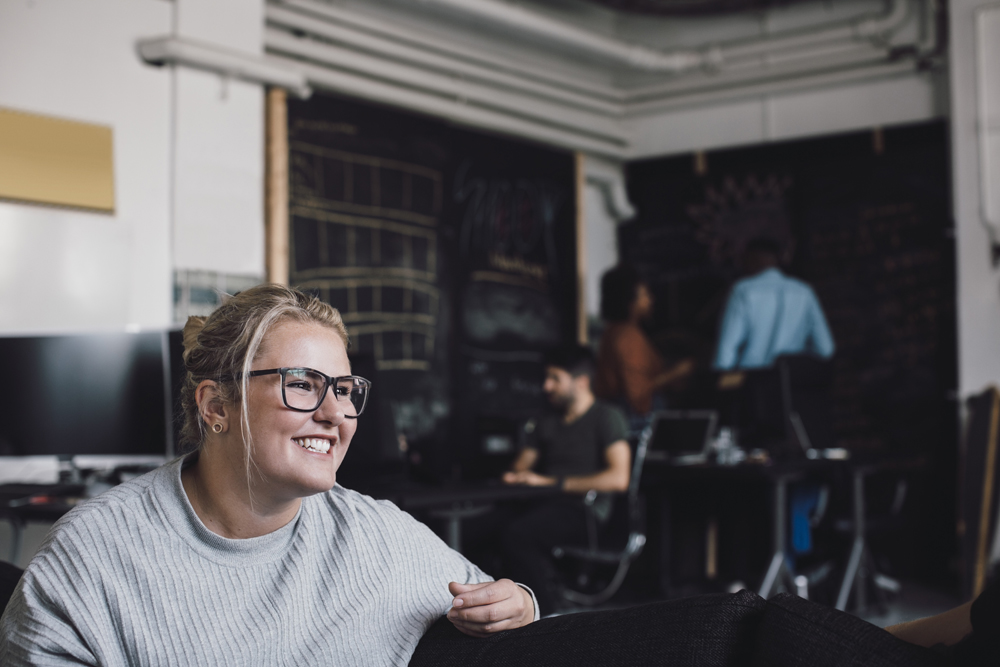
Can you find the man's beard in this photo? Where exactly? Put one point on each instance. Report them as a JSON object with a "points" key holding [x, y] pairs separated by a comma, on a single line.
{"points": [[560, 402]]}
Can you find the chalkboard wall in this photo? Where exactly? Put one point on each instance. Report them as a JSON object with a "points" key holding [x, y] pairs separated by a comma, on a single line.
{"points": [[451, 254], [865, 219]]}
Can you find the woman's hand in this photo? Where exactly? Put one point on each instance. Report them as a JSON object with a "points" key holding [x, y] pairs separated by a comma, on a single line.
{"points": [[482, 609]]}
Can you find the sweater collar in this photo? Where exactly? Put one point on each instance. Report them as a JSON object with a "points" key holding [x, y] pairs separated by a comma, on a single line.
{"points": [[182, 518]]}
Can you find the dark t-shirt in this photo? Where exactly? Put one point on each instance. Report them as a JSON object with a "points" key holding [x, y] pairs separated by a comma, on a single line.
{"points": [[982, 647], [578, 448], [986, 624]]}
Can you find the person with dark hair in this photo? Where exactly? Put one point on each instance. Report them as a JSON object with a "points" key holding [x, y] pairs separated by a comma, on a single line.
{"points": [[769, 314], [580, 447], [630, 371]]}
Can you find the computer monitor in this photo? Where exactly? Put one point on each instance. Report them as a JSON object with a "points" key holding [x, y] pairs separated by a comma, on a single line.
{"points": [[682, 436], [89, 395]]}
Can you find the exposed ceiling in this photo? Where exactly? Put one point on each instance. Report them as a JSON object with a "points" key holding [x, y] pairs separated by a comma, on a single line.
{"points": [[691, 7]]}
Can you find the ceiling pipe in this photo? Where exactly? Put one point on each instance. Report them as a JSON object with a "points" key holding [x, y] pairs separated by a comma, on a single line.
{"points": [[378, 33], [469, 92], [871, 28], [453, 65], [526, 23], [552, 132], [229, 64]]}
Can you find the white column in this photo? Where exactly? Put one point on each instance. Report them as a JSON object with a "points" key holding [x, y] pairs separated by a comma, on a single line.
{"points": [[978, 278]]}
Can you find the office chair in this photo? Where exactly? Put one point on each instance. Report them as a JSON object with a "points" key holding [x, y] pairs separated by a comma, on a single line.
{"points": [[861, 573], [9, 576], [623, 558], [785, 408]]}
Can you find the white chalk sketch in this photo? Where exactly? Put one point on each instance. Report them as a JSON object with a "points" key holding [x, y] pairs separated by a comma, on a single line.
{"points": [[365, 236]]}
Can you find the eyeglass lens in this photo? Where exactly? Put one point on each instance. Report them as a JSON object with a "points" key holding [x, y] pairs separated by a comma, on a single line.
{"points": [[304, 390]]}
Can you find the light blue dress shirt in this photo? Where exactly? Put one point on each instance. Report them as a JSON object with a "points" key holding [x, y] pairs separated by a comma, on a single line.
{"points": [[768, 315]]}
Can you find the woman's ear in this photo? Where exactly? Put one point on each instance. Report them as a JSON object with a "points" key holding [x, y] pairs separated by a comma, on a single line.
{"points": [[211, 406]]}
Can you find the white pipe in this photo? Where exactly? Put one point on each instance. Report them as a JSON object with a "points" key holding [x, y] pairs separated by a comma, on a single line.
{"points": [[360, 42], [380, 32], [528, 23], [450, 87], [868, 28], [735, 79], [609, 179], [174, 51], [365, 87]]}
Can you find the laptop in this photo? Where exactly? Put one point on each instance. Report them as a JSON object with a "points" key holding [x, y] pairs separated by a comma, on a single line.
{"points": [[682, 437]]}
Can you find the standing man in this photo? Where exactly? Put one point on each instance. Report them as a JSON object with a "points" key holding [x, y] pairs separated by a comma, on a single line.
{"points": [[580, 446], [769, 314]]}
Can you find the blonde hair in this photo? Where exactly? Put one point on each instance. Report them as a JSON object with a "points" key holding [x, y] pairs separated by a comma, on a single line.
{"points": [[223, 346]]}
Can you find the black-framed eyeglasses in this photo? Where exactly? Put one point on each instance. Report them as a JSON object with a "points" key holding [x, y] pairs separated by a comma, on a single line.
{"points": [[303, 389]]}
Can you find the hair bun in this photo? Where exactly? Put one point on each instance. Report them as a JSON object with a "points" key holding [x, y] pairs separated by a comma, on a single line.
{"points": [[192, 328]]}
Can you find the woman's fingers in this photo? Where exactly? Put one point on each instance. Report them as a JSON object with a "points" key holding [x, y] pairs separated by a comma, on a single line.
{"points": [[482, 609]]}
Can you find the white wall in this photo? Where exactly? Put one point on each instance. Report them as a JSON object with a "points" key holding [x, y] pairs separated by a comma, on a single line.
{"points": [[219, 174], [188, 161], [978, 280], [857, 106], [70, 270], [219, 146]]}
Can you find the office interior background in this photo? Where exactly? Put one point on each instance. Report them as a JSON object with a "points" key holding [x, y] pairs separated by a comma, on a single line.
{"points": [[664, 133]]}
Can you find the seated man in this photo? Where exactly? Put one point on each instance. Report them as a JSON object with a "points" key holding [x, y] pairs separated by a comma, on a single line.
{"points": [[580, 446]]}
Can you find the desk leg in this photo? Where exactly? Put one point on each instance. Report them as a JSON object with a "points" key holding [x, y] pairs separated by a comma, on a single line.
{"points": [[455, 533], [16, 538], [851, 577], [665, 545], [777, 571]]}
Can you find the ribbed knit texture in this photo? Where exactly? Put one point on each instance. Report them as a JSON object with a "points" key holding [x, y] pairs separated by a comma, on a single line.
{"points": [[133, 577]]}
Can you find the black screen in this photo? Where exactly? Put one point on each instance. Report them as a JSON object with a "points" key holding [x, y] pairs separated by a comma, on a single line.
{"points": [[83, 394]]}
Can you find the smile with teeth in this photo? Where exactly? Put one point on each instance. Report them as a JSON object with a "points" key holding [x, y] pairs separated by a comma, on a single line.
{"points": [[321, 445]]}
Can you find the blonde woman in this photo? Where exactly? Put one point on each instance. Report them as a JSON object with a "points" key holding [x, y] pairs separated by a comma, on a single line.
{"points": [[247, 551]]}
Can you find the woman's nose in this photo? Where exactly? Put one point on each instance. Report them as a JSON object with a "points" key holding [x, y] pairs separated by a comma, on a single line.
{"points": [[331, 409]]}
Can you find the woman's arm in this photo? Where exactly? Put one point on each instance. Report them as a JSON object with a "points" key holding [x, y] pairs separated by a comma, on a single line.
{"points": [[675, 373]]}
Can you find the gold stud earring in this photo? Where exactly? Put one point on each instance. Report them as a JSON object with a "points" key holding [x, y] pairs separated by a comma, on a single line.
{"points": [[217, 427]]}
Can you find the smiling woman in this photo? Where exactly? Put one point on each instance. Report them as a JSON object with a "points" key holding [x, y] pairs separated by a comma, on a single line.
{"points": [[247, 551]]}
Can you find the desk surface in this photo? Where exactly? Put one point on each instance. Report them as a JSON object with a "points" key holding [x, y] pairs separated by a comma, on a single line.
{"points": [[411, 496], [749, 471]]}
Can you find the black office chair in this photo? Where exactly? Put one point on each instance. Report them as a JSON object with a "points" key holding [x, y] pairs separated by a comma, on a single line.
{"points": [[621, 558], [868, 518], [9, 576], [785, 408]]}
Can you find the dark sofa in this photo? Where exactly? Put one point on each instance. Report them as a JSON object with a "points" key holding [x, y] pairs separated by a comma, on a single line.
{"points": [[706, 631]]}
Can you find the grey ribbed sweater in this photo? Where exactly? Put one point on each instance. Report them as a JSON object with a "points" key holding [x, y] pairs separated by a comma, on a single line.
{"points": [[133, 577]]}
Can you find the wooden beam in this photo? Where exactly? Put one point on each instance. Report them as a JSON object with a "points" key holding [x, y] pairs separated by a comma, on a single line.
{"points": [[276, 187], [986, 517]]}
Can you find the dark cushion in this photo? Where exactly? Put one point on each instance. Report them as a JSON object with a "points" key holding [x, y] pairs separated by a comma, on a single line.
{"points": [[795, 632], [705, 631]]}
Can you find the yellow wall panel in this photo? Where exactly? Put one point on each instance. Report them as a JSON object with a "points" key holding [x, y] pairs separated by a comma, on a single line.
{"points": [[49, 160]]}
